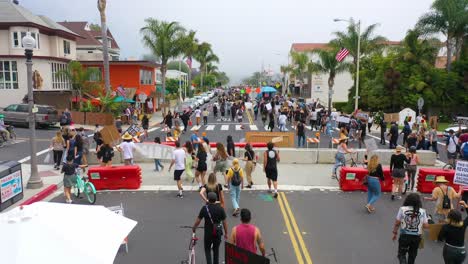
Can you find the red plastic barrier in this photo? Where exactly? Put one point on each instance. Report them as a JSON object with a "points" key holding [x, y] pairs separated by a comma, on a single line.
{"points": [[116, 177], [427, 176], [351, 179], [168, 143], [242, 144]]}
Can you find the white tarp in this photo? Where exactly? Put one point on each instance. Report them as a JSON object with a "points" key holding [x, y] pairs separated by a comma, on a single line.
{"points": [[155, 151]]}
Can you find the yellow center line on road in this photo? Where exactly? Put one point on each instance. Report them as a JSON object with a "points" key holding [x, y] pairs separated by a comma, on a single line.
{"points": [[296, 229], [249, 116], [290, 231]]}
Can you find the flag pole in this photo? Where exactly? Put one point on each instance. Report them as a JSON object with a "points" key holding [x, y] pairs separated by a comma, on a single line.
{"points": [[356, 97]]}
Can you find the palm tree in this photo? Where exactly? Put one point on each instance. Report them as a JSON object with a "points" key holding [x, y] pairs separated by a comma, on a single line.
{"points": [[164, 39], [83, 80], [299, 65], [190, 47], [101, 4], [211, 68], [205, 55], [449, 17], [328, 64]]}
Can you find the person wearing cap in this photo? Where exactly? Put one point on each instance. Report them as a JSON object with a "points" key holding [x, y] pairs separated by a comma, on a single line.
{"points": [[215, 222], [246, 235], [451, 146], [441, 190], [3, 127], [397, 170], [127, 147], [340, 160]]}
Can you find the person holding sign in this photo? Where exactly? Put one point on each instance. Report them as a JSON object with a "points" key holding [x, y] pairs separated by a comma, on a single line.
{"points": [[246, 235]]}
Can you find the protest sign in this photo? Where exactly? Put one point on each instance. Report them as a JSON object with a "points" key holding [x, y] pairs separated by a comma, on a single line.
{"points": [[154, 151], [461, 173], [237, 255], [343, 119], [110, 135]]}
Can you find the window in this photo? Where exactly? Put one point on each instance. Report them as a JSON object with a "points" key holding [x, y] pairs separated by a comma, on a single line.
{"points": [[146, 77], [22, 108], [66, 47], [11, 108], [59, 81], [18, 38], [8, 75]]}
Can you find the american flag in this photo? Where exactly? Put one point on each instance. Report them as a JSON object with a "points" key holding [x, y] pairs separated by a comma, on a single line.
{"points": [[341, 55], [189, 62]]}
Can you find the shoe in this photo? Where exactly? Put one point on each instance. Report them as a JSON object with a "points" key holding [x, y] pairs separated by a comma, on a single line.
{"points": [[58, 168], [69, 201], [248, 186], [398, 197], [270, 191], [236, 212], [393, 197], [275, 195], [333, 176], [180, 195], [369, 210], [226, 186]]}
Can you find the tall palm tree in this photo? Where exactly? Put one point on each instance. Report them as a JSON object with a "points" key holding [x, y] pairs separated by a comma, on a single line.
{"points": [[299, 65], [164, 39], [449, 17], [101, 4], [211, 68], [205, 55], [328, 64], [190, 47]]}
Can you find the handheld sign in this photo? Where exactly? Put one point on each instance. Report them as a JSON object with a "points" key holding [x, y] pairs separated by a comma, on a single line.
{"points": [[237, 255], [461, 173]]}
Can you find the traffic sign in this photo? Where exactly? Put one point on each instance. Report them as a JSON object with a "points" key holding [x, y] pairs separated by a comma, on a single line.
{"points": [[420, 103]]}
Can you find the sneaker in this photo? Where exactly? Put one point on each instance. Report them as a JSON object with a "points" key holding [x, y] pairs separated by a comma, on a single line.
{"points": [[333, 176], [248, 186], [180, 195], [398, 197], [275, 195], [69, 201], [393, 197]]}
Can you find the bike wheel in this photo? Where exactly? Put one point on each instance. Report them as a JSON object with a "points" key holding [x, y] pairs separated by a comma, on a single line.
{"points": [[90, 192], [76, 188]]}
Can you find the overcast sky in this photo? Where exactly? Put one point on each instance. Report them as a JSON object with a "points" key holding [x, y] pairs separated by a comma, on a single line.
{"points": [[244, 33]]}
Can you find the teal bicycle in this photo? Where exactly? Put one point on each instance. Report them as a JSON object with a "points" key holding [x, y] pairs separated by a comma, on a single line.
{"points": [[83, 185]]}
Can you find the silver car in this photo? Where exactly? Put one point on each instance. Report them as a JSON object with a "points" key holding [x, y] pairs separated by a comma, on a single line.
{"points": [[18, 114]]}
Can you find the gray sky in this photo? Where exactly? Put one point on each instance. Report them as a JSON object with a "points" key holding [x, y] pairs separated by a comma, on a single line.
{"points": [[244, 33]]}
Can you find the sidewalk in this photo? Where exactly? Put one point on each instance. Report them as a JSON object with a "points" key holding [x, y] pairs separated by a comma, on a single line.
{"points": [[155, 120]]}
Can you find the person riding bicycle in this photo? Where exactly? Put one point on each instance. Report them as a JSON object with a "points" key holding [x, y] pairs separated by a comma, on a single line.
{"points": [[3, 128], [342, 149]]}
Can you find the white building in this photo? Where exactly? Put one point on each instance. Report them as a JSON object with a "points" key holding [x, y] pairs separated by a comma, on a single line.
{"points": [[55, 47]]}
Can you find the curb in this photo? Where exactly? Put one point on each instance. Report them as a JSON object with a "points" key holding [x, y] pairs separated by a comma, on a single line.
{"points": [[41, 195]]}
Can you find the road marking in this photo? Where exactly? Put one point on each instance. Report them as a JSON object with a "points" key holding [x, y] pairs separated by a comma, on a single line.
{"points": [[153, 129], [254, 188], [308, 127], [195, 128], [290, 232], [238, 127], [224, 127], [253, 127], [37, 155], [18, 140], [296, 229], [210, 127]]}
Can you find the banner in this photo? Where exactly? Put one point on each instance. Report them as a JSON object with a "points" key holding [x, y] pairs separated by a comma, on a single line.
{"points": [[155, 151], [343, 119], [236, 255], [461, 173]]}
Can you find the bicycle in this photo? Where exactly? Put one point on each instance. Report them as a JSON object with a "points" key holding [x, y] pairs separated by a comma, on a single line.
{"points": [[447, 166], [83, 185], [4, 139], [192, 244], [352, 163]]}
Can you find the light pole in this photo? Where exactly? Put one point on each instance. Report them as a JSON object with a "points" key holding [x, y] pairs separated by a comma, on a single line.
{"points": [[356, 96], [35, 180]]}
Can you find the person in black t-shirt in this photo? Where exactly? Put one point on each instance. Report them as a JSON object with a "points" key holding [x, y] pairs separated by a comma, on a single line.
{"points": [[214, 216], [213, 186], [68, 170], [453, 233]]}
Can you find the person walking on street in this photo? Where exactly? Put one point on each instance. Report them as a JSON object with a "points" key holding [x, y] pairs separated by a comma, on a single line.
{"points": [[393, 135], [300, 132], [271, 123], [215, 222], [453, 233], [406, 132], [213, 186], [202, 166], [57, 145], [246, 235], [189, 157], [250, 163], [271, 158], [255, 108], [197, 116], [235, 177], [383, 129], [410, 220], [69, 178], [157, 162], [220, 159], [433, 140], [127, 147], [374, 180], [145, 126], [397, 170], [341, 150], [178, 158], [451, 147], [370, 122], [282, 121], [231, 147], [443, 195], [168, 120], [185, 117], [412, 167]]}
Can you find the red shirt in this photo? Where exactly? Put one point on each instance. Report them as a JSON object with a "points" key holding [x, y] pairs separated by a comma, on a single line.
{"points": [[245, 237], [463, 138]]}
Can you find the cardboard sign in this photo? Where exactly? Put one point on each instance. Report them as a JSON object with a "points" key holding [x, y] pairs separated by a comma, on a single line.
{"points": [[236, 255], [434, 230], [133, 130], [461, 173], [110, 135], [268, 107]]}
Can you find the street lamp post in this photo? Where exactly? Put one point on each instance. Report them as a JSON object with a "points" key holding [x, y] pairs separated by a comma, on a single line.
{"points": [[35, 180], [356, 96]]}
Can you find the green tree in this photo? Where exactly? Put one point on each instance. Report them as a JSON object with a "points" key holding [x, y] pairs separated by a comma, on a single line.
{"points": [[83, 80], [164, 39], [222, 78], [327, 64], [174, 65], [204, 56], [190, 47], [449, 17]]}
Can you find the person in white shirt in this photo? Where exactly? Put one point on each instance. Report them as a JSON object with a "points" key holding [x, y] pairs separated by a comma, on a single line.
{"points": [[313, 119], [178, 158], [127, 147], [198, 115], [370, 122], [451, 147], [282, 121]]}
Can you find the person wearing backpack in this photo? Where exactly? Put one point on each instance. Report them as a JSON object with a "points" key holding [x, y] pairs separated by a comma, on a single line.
{"points": [[235, 177], [451, 147], [464, 151], [443, 195]]}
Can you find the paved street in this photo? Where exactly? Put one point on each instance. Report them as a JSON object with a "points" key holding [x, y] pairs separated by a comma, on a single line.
{"points": [[334, 226]]}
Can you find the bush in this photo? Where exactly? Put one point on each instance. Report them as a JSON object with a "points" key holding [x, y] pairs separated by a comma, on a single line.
{"points": [[340, 106]]}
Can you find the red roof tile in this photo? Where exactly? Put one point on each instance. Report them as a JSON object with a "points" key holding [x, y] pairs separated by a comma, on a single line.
{"points": [[89, 36]]}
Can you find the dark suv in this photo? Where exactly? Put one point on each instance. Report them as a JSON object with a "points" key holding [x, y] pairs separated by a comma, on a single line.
{"points": [[18, 114]]}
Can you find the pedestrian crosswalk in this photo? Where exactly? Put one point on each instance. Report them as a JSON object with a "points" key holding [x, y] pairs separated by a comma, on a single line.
{"points": [[220, 127]]}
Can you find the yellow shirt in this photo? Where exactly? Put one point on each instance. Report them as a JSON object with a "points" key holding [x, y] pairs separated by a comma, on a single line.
{"points": [[176, 133], [439, 194], [230, 173]]}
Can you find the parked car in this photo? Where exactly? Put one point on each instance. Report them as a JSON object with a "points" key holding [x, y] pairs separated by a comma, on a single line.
{"points": [[200, 100], [206, 98], [18, 114]]}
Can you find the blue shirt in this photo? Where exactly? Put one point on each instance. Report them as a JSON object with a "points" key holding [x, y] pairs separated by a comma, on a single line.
{"points": [[194, 138]]}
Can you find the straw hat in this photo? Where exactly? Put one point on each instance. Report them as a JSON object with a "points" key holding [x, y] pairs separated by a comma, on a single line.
{"points": [[440, 179], [127, 136], [343, 137], [398, 149]]}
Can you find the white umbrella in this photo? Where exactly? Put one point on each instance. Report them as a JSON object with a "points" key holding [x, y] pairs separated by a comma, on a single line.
{"points": [[62, 233]]}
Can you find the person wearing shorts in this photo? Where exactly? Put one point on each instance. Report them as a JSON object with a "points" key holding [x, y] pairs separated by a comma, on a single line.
{"points": [[271, 158], [178, 158], [221, 162], [397, 170]]}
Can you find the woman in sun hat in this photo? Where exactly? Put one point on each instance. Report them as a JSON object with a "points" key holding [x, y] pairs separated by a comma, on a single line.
{"points": [[397, 170], [342, 149], [442, 209], [127, 147]]}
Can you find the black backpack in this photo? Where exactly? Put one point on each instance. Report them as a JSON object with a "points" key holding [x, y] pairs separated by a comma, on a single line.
{"points": [[446, 204], [236, 179]]}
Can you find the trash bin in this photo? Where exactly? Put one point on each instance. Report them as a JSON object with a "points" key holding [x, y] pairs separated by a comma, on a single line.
{"points": [[11, 183]]}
